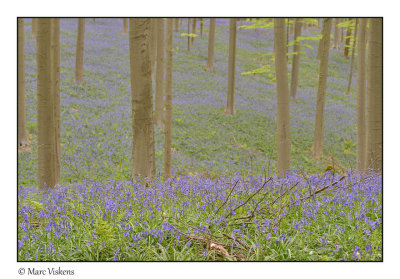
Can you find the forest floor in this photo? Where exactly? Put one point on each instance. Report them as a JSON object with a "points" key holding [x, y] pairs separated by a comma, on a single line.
{"points": [[96, 132], [224, 201]]}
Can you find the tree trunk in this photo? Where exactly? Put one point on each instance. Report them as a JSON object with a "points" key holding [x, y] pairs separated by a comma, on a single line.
{"points": [[287, 39], [336, 35], [323, 75], [193, 30], [168, 102], [347, 42], [79, 51], [361, 139], [160, 73], [230, 103], [45, 109], [282, 90], [341, 32], [22, 132], [34, 27], [211, 43], [320, 47], [352, 59], [55, 81], [296, 59], [153, 45], [176, 20], [374, 97], [201, 27], [125, 24], [188, 31], [142, 103]]}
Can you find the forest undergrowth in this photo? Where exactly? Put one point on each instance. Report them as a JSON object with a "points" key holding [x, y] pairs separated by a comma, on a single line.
{"points": [[192, 218]]}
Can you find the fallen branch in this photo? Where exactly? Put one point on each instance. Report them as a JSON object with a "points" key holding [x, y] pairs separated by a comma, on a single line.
{"points": [[227, 198], [249, 198]]}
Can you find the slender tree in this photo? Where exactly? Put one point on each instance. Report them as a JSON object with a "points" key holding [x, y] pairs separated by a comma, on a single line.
{"points": [[22, 132], [79, 51], [125, 24], [45, 108], [336, 35], [160, 73], [361, 135], [347, 42], [176, 21], [188, 38], [230, 103], [55, 83], [194, 21], [201, 27], [323, 75], [374, 96], [283, 135], [341, 32], [320, 47], [296, 58], [142, 103], [168, 102], [211, 43], [352, 59]]}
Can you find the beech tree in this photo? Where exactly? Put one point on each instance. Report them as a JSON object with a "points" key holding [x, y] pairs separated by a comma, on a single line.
{"points": [[45, 105], [352, 59], [79, 51], [188, 38], [296, 58], [323, 75], [341, 31], [361, 135], [168, 102], [374, 96], [22, 132], [347, 42], [230, 102], [160, 73], [282, 91], [125, 24], [55, 82], [153, 45], [211, 43], [193, 30], [176, 21], [201, 27], [142, 103], [336, 35]]}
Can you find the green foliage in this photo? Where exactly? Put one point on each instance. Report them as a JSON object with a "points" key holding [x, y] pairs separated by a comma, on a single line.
{"points": [[303, 40], [259, 23], [191, 35], [266, 70]]}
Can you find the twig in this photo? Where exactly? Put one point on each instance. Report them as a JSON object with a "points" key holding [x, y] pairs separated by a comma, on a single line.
{"points": [[236, 240], [279, 197], [239, 206], [227, 198], [322, 189], [195, 229]]}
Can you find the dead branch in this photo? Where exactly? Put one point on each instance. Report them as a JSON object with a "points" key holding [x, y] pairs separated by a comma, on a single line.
{"points": [[226, 200], [249, 198]]}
